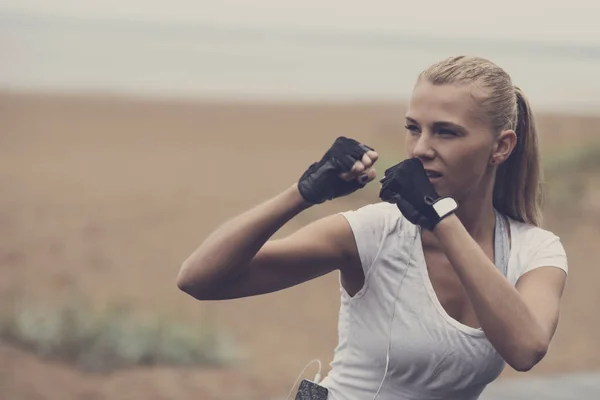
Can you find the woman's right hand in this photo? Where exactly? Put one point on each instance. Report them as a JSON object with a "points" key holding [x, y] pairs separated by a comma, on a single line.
{"points": [[346, 167]]}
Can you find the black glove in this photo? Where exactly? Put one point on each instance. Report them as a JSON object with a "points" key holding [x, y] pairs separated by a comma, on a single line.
{"points": [[321, 180], [406, 184]]}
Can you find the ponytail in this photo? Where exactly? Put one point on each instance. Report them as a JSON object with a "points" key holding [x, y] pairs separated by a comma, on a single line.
{"points": [[518, 186]]}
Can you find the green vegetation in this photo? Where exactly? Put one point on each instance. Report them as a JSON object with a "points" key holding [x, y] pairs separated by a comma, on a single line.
{"points": [[102, 341]]}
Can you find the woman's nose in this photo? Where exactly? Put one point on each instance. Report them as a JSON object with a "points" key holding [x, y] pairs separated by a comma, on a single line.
{"points": [[424, 147]]}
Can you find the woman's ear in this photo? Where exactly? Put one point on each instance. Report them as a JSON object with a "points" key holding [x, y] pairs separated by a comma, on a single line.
{"points": [[504, 146]]}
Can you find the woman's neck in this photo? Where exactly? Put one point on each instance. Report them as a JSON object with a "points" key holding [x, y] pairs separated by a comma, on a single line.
{"points": [[476, 210], [478, 216]]}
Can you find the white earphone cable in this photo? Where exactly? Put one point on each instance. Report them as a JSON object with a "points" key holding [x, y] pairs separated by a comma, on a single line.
{"points": [[389, 345]]}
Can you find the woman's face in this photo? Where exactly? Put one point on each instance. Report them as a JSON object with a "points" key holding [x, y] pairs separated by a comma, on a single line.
{"points": [[454, 142]]}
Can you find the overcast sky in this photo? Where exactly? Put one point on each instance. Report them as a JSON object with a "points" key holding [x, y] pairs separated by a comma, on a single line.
{"points": [[573, 20]]}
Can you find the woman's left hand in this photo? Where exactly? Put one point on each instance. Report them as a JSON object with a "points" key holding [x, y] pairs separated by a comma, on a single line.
{"points": [[406, 184]]}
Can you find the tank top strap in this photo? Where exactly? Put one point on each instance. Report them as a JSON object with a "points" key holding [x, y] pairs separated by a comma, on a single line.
{"points": [[501, 244]]}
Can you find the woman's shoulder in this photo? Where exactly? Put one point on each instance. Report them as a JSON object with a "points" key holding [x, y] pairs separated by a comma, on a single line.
{"points": [[376, 221], [380, 216], [530, 234], [537, 247], [380, 208], [373, 226]]}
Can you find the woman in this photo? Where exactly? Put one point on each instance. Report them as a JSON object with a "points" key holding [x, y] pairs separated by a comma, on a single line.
{"points": [[445, 280]]}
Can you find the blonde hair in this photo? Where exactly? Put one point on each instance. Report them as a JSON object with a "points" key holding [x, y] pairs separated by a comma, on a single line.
{"points": [[518, 186]]}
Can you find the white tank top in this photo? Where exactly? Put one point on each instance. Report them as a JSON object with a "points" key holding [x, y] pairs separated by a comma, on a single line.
{"points": [[431, 355]]}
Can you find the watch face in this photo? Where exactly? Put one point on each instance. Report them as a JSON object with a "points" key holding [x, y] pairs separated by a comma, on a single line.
{"points": [[445, 206]]}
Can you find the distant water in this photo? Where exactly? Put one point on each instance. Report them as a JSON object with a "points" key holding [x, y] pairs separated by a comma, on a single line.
{"points": [[201, 61]]}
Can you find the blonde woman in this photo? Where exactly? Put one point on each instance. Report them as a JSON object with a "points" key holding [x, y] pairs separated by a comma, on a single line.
{"points": [[445, 280]]}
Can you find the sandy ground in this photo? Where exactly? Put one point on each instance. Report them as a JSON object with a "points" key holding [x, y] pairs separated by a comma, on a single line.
{"points": [[107, 197]]}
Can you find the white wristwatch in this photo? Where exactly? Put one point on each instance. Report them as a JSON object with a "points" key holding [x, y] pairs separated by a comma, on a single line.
{"points": [[445, 206]]}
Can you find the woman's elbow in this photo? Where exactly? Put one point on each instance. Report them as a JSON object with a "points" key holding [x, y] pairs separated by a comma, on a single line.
{"points": [[196, 280], [187, 282], [527, 358]]}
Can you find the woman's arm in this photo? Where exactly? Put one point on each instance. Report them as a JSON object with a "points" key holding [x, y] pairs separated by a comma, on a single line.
{"points": [[519, 321], [237, 260]]}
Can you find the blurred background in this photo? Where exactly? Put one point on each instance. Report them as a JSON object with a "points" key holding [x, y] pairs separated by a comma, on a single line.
{"points": [[129, 131]]}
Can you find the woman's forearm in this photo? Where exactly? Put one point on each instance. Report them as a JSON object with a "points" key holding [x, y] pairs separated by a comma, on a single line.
{"points": [[236, 242], [504, 316]]}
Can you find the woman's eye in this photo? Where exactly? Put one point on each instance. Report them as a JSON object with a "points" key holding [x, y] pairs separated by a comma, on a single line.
{"points": [[412, 128], [447, 132]]}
